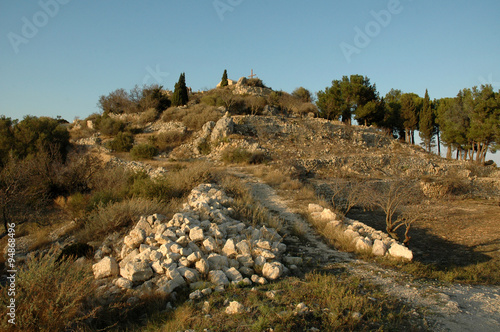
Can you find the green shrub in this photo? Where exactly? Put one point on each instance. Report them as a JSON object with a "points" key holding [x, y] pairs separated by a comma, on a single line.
{"points": [[35, 135], [77, 205], [236, 156], [240, 155], [149, 115], [110, 126], [194, 117], [167, 141], [255, 82], [212, 99], [123, 142], [143, 151], [102, 198]]}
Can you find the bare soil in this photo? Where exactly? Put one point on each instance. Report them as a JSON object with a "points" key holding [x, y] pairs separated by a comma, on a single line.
{"points": [[453, 233]]}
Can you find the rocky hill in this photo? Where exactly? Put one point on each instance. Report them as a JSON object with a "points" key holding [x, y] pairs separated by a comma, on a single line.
{"points": [[256, 202]]}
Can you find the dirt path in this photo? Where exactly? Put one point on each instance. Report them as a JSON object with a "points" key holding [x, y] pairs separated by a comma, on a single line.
{"points": [[451, 308]]}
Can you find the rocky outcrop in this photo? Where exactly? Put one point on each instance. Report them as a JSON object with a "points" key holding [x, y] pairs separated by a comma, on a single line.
{"points": [[201, 246], [363, 237], [223, 128]]}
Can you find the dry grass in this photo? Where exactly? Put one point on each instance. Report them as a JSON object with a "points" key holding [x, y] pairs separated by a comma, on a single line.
{"points": [[193, 117], [333, 304], [111, 217], [49, 296]]}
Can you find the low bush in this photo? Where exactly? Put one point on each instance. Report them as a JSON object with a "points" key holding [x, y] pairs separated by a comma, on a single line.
{"points": [[147, 116], [123, 142], [143, 151], [167, 141], [236, 156], [255, 82], [109, 126], [240, 155], [50, 296], [194, 117]]}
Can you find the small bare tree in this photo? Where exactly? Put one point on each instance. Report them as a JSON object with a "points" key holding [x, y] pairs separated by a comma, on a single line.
{"points": [[256, 104], [398, 197], [348, 194]]}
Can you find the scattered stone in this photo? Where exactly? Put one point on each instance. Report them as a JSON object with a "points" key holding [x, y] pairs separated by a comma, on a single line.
{"points": [[218, 278], [235, 308], [196, 234], [379, 248], [234, 275], [196, 295], [301, 308], [202, 266], [363, 244], [272, 270]]}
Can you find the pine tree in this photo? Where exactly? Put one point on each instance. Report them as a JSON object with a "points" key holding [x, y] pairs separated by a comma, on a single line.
{"points": [[426, 124], [224, 82], [180, 96]]}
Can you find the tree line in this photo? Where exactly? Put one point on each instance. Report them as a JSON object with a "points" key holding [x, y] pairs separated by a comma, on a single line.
{"points": [[468, 124]]}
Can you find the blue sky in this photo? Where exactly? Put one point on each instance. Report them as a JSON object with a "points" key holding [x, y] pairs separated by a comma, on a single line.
{"points": [[79, 50]]}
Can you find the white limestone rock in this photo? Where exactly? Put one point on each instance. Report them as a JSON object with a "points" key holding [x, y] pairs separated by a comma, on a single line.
{"points": [[235, 308], [196, 234], [379, 248], [273, 270], [107, 267], [136, 271], [218, 278], [314, 208], [399, 251], [233, 275], [229, 249]]}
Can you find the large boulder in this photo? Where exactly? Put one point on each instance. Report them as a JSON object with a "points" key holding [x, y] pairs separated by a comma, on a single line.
{"points": [[399, 251], [223, 128]]}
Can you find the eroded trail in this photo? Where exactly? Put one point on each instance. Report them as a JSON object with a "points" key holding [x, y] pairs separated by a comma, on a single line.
{"points": [[451, 308]]}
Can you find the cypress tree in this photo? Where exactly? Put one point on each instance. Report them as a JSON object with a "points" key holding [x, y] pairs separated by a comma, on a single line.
{"points": [[426, 124], [224, 82], [180, 96]]}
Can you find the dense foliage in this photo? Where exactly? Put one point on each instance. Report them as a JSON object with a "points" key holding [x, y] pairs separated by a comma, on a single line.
{"points": [[137, 100], [224, 82], [180, 96], [468, 123]]}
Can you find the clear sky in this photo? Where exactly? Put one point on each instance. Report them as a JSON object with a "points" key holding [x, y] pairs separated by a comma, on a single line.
{"points": [[58, 56]]}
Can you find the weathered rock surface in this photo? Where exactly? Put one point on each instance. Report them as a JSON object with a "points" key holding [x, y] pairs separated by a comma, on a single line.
{"points": [[107, 267]]}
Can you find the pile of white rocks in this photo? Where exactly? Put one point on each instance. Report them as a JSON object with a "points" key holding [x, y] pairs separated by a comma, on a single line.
{"points": [[201, 247], [364, 237]]}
